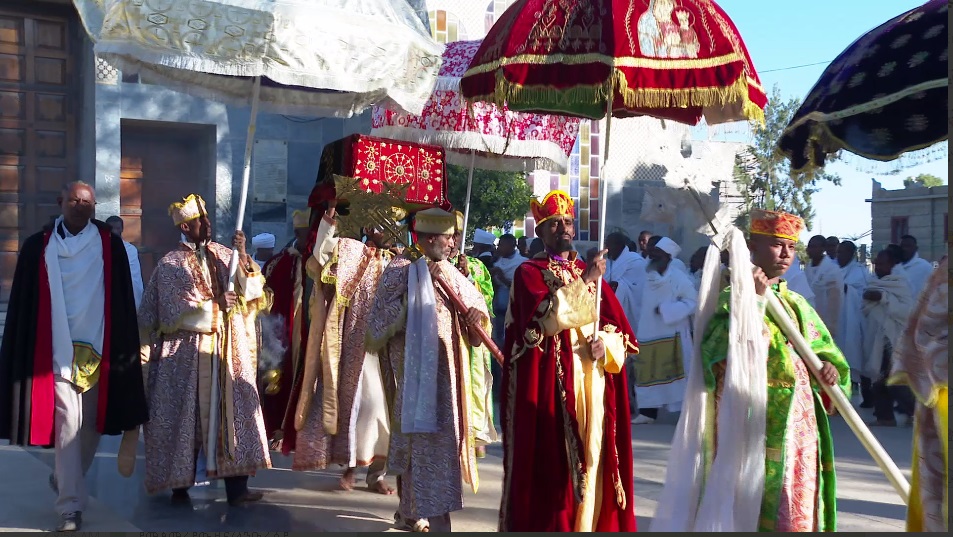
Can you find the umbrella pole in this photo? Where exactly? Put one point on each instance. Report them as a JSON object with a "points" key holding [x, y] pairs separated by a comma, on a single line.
{"points": [[246, 175], [466, 209], [603, 191], [840, 401]]}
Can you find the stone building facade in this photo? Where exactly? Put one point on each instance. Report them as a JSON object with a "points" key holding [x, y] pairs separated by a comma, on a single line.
{"points": [[918, 211]]}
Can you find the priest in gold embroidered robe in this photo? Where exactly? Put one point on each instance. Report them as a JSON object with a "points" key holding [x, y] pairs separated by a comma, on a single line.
{"points": [[199, 352], [341, 413], [567, 451], [423, 342]]}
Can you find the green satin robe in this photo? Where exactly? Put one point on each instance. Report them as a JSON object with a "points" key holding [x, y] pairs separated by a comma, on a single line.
{"points": [[781, 381]]}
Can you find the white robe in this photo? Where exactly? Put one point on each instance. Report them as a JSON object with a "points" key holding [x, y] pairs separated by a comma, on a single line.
{"points": [[827, 282], [886, 318], [628, 270], [501, 293], [850, 340], [676, 298], [74, 265], [918, 271], [797, 282], [135, 271]]}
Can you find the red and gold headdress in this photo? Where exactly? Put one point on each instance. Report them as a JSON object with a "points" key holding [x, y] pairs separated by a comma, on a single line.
{"points": [[190, 208], [556, 203], [776, 224]]}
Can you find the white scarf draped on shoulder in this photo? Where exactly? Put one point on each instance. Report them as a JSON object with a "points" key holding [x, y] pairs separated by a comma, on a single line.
{"points": [[421, 353], [728, 496], [885, 318], [75, 268]]}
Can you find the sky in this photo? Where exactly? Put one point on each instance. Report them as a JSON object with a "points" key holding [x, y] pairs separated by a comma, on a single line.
{"points": [[781, 35]]}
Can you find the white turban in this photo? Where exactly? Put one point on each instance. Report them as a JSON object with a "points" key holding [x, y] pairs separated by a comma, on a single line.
{"points": [[668, 246], [263, 240], [483, 237]]}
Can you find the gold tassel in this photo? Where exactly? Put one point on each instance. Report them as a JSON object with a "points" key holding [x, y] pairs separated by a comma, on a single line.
{"points": [[619, 493]]}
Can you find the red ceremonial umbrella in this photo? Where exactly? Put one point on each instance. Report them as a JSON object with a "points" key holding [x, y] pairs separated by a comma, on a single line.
{"points": [[671, 59], [681, 60]]}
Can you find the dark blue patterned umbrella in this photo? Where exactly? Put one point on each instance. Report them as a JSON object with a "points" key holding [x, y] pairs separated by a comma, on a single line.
{"points": [[882, 97]]}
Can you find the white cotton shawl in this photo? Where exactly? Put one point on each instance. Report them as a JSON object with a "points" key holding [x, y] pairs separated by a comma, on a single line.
{"points": [[885, 318], [75, 268], [421, 352], [727, 495]]}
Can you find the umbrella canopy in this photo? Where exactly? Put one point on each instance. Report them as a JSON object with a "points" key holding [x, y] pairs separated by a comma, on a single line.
{"points": [[502, 140], [681, 60], [314, 57], [882, 97]]}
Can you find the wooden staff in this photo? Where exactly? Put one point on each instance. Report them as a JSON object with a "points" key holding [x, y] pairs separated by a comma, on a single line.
{"points": [[462, 309]]}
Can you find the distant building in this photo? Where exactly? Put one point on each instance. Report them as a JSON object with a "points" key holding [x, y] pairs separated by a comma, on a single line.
{"points": [[918, 211]]}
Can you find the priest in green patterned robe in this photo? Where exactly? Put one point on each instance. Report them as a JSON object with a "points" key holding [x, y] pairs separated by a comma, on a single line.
{"points": [[481, 376], [747, 458]]}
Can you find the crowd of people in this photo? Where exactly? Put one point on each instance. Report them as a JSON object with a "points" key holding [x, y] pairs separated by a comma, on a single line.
{"points": [[357, 352]]}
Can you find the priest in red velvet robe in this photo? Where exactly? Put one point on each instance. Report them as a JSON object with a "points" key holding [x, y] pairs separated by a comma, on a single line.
{"points": [[567, 451], [287, 278]]}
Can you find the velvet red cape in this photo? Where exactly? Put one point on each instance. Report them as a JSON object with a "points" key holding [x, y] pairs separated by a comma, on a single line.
{"points": [[542, 450], [276, 409]]}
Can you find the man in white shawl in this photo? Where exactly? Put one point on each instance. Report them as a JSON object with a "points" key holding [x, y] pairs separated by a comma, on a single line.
{"points": [[664, 333], [850, 339], [887, 305], [504, 266], [625, 274], [918, 269], [796, 280], [827, 282], [263, 245]]}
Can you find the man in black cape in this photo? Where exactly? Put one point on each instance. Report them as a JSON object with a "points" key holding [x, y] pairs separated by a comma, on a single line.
{"points": [[69, 362]]}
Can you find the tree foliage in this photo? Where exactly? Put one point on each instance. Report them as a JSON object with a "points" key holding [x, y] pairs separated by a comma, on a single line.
{"points": [[764, 174], [498, 198], [923, 180]]}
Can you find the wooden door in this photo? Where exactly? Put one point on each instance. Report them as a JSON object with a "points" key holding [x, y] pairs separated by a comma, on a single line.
{"points": [[160, 165], [37, 127]]}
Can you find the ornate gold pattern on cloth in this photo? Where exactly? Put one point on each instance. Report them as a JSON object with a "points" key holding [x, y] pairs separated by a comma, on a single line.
{"points": [[209, 47]]}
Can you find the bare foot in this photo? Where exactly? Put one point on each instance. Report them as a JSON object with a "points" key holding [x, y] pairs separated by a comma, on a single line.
{"points": [[347, 480], [381, 487]]}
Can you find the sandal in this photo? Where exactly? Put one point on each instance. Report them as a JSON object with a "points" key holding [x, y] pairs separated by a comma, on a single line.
{"points": [[421, 525]]}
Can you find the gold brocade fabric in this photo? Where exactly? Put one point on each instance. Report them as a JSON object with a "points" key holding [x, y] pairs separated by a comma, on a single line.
{"points": [[208, 47], [85, 366]]}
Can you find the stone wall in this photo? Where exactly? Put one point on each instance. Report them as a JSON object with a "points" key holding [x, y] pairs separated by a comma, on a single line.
{"points": [[926, 210]]}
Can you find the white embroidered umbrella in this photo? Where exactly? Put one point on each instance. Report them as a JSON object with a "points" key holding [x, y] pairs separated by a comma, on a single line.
{"points": [[481, 135], [307, 57]]}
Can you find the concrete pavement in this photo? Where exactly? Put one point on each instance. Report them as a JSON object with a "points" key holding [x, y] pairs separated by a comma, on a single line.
{"points": [[311, 501]]}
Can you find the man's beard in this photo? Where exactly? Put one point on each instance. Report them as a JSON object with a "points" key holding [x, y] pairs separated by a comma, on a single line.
{"points": [[655, 266], [563, 245]]}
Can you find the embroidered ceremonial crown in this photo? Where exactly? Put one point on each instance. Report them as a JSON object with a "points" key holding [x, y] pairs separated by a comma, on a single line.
{"points": [[460, 217], [435, 222], [301, 219], [556, 203], [190, 208], [776, 224]]}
